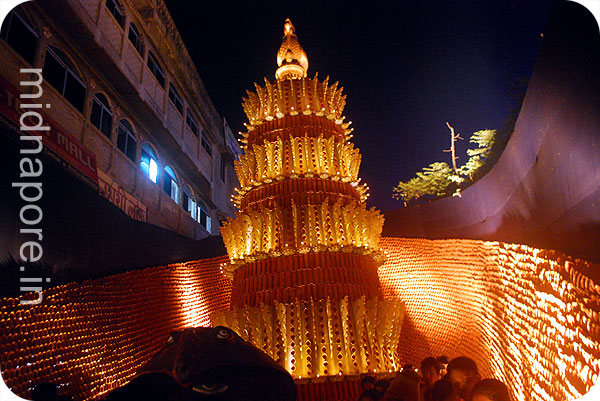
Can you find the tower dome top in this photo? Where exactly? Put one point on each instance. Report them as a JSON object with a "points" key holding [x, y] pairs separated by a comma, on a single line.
{"points": [[291, 58]]}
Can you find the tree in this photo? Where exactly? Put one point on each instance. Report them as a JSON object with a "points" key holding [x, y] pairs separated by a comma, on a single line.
{"points": [[433, 180], [480, 155], [439, 179]]}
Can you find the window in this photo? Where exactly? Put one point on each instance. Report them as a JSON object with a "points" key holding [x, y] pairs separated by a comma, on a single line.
{"points": [[175, 98], [155, 69], [61, 73], [149, 163], [170, 184], [206, 145], [126, 140], [223, 166], [188, 202], [202, 216], [136, 39], [19, 34], [116, 10], [189, 120], [101, 116]]}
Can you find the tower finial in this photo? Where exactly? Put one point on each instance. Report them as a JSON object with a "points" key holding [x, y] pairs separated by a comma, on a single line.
{"points": [[291, 58]]}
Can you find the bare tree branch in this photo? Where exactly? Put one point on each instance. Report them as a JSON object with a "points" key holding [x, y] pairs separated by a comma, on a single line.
{"points": [[453, 138]]}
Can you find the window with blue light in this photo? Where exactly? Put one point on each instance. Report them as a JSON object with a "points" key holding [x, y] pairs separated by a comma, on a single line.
{"points": [[202, 216], [170, 185], [149, 163], [188, 202]]}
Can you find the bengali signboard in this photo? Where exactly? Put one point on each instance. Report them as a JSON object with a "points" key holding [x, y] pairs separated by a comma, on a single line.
{"points": [[128, 203], [56, 139]]}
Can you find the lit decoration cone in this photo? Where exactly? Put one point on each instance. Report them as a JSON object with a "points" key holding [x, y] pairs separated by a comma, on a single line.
{"points": [[303, 249]]}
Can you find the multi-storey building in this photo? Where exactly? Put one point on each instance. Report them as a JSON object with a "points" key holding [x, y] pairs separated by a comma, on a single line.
{"points": [[127, 109]]}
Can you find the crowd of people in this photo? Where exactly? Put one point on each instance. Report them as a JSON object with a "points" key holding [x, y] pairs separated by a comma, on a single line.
{"points": [[437, 379]]}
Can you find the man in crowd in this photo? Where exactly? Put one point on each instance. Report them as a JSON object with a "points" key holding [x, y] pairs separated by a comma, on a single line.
{"points": [[367, 383], [430, 370], [405, 386], [443, 360], [490, 390], [463, 375]]}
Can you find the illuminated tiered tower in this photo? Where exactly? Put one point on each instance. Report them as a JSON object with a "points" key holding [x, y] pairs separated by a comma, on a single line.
{"points": [[303, 249]]}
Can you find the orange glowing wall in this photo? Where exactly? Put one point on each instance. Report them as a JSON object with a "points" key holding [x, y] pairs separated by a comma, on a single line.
{"points": [[528, 317], [91, 337]]}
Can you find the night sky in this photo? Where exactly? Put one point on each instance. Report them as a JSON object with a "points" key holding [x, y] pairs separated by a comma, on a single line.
{"points": [[407, 67]]}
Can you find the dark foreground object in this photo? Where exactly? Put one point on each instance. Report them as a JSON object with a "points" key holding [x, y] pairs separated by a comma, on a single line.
{"points": [[208, 364]]}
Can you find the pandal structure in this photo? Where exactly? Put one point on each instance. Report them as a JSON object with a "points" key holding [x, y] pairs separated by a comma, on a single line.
{"points": [[304, 250]]}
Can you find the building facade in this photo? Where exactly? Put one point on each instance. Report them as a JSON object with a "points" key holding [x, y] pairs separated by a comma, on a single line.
{"points": [[128, 111]]}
